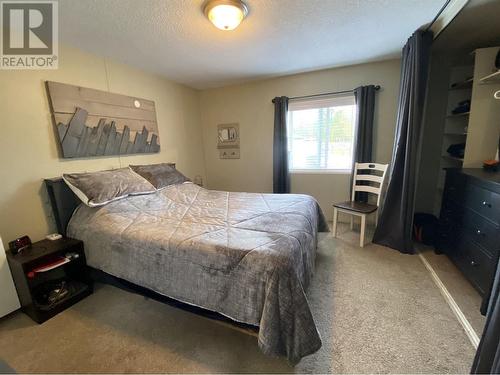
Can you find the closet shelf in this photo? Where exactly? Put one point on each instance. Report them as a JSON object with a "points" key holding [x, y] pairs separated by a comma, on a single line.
{"points": [[467, 84], [491, 78], [458, 115], [454, 158]]}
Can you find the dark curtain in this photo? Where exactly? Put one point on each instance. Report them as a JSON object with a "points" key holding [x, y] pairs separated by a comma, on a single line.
{"points": [[487, 359], [281, 176], [396, 217], [363, 138]]}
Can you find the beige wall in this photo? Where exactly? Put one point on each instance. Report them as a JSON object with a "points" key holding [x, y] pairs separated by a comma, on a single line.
{"points": [[28, 149], [250, 105], [29, 152]]}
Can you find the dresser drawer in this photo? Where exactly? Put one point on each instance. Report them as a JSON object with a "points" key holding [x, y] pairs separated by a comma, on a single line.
{"points": [[474, 263], [450, 214], [454, 187], [449, 225], [481, 231], [483, 201]]}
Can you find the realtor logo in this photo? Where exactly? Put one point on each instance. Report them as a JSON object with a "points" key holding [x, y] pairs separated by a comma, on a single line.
{"points": [[29, 37]]}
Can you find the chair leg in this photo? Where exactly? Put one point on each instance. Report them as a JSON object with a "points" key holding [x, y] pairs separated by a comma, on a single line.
{"points": [[362, 234], [335, 216], [376, 218], [352, 222]]}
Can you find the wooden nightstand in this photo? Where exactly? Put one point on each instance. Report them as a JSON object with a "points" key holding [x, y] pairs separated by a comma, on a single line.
{"points": [[39, 270]]}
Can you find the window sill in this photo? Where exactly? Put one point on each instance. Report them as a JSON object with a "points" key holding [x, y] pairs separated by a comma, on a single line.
{"points": [[320, 171]]}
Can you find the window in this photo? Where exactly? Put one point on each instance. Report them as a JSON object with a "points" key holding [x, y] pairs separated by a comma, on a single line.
{"points": [[321, 133]]}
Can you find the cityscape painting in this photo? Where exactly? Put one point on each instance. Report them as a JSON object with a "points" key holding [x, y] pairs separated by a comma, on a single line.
{"points": [[94, 123]]}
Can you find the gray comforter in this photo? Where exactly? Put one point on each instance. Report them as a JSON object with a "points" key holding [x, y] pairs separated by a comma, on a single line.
{"points": [[247, 256]]}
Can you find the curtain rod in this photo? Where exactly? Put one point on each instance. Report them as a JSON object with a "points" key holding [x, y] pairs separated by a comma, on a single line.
{"points": [[377, 87]]}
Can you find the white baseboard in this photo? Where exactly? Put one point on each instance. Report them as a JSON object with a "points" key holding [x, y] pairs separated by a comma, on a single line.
{"points": [[469, 331]]}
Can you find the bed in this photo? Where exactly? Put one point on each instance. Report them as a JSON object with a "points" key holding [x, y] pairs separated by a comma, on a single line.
{"points": [[249, 257]]}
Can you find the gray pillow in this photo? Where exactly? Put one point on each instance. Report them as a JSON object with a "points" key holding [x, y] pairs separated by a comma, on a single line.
{"points": [[99, 188], [160, 175]]}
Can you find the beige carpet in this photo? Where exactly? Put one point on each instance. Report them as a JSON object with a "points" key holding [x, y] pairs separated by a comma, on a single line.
{"points": [[462, 291], [376, 310]]}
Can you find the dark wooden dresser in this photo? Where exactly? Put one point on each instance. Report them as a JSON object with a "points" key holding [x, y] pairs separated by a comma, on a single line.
{"points": [[469, 225]]}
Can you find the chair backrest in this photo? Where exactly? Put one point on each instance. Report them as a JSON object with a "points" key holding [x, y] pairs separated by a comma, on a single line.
{"points": [[369, 177]]}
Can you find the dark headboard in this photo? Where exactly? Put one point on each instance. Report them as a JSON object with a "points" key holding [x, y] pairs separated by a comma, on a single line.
{"points": [[63, 202]]}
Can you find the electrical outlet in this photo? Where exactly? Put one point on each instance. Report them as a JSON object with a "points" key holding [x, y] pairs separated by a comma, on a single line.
{"points": [[229, 153]]}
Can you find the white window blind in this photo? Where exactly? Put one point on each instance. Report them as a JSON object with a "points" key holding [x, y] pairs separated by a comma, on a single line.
{"points": [[321, 133]]}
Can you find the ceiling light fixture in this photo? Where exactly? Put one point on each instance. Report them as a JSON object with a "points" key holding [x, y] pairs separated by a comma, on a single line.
{"points": [[225, 14]]}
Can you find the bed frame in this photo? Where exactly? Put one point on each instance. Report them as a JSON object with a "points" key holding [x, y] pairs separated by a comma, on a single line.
{"points": [[64, 202]]}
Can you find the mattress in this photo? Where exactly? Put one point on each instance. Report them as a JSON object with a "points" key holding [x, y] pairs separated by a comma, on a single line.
{"points": [[247, 256]]}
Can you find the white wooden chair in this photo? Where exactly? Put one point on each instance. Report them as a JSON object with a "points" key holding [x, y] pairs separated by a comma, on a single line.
{"points": [[362, 209]]}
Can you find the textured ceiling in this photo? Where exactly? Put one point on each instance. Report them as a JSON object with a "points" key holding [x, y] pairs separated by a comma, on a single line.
{"points": [[174, 39]]}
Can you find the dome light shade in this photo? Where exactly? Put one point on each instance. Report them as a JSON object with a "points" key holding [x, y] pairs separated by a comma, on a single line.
{"points": [[225, 14]]}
